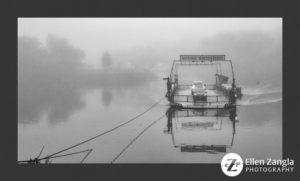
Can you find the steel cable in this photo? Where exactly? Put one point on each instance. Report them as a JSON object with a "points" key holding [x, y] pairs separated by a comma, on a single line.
{"points": [[98, 135], [137, 137]]}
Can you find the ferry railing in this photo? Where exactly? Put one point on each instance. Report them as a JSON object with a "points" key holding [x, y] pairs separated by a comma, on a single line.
{"points": [[201, 113], [184, 87], [190, 98], [223, 90]]}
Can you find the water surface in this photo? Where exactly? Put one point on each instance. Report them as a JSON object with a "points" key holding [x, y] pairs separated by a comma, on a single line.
{"points": [[60, 116]]}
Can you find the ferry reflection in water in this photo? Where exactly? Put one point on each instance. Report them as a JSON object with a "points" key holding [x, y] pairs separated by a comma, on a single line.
{"points": [[200, 130]]}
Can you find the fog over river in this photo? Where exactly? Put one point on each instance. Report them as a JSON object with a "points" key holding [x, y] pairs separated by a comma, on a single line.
{"points": [[80, 77]]}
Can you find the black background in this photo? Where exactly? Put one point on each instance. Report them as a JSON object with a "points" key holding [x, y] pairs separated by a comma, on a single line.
{"points": [[12, 10]]}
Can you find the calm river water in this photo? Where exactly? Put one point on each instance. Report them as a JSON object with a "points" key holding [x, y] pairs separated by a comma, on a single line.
{"points": [[64, 116]]}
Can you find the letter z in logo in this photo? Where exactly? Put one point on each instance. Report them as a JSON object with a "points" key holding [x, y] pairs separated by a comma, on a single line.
{"points": [[231, 164]]}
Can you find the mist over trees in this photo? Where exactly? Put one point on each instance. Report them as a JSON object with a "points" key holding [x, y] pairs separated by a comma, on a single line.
{"points": [[58, 58], [65, 55], [44, 74], [256, 55], [52, 78]]}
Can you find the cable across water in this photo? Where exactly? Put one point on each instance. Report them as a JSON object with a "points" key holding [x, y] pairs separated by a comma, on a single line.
{"points": [[138, 136], [97, 135]]}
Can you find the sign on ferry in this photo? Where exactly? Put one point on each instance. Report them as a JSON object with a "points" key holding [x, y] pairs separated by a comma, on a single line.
{"points": [[201, 57]]}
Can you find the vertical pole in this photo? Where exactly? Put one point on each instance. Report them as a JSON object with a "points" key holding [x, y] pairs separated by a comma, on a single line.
{"points": [[232, 91], [168, 86]]}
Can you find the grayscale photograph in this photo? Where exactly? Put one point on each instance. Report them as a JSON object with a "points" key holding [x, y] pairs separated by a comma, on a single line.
{"points": [[148, 90]]}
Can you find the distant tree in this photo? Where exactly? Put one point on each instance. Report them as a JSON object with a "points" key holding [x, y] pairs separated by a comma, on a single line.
{"points": [[64, 56], [106, 60], [31, 56]]}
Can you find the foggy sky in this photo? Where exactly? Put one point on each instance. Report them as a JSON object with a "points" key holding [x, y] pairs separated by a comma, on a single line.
{"points": [[119, 36]]}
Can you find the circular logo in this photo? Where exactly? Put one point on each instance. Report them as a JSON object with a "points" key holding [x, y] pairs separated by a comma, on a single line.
{"points": [[232, 164]]}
